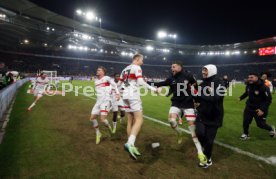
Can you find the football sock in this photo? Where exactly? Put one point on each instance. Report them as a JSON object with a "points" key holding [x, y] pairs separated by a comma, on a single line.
{"points": [[32, 105], [131, 139], [195, 139], [174, 124], [106, 123], [96, 126]]}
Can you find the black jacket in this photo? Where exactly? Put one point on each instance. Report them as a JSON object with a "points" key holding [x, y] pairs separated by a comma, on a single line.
{"points": [[210, 110], [259, 96], [181, 78]]}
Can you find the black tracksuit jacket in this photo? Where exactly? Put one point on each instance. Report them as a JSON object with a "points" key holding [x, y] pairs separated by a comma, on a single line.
{"points": [[259, 96], [210, 110], [181, 78]]}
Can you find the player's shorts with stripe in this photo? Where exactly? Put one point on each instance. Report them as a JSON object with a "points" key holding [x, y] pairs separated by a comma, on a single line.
{"points": [[132, 105], [38, 93], [101, 107], [117, 104], [189, 113]]}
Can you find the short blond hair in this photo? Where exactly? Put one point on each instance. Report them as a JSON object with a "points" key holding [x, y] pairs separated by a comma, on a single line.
{"points": [[138, 55]]}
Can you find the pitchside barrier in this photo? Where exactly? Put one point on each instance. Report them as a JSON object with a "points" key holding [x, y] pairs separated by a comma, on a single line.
{"points": [[7, 95]]}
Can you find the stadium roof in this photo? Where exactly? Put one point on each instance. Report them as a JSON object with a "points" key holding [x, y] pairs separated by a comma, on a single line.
{"points": [[27, 20]]}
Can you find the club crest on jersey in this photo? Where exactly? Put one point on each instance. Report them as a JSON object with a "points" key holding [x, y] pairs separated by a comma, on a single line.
{"points": [[257, 92]]}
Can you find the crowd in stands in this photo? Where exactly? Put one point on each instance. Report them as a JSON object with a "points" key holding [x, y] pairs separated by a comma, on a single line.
{"points": [[235, 67]]}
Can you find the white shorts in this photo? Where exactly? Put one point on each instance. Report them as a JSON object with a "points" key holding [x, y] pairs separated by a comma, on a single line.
{"points": [[189, 113], [38, 93], [101, 108], [117, 104], [132, 105]]}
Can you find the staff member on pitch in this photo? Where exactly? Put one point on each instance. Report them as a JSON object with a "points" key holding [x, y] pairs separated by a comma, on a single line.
{"points": [[257, 104], [210, 109]]}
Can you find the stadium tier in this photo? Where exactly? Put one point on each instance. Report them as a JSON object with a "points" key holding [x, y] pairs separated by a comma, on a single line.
{"points": [[80, 101]]}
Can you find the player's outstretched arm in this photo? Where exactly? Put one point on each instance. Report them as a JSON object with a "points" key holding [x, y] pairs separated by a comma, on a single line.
{"points": [[167, 82]]}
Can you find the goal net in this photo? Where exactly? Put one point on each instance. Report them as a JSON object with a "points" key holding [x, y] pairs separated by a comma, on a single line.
{"points": [[52, 76]]}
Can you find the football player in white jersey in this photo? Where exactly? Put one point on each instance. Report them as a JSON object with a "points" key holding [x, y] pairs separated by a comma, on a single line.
{"points": [[103, 104], [39, 87], [117, 105], [130, 80]]}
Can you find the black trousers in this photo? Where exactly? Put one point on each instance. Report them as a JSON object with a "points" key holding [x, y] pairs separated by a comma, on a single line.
{"points": [[248, 116], [206, 135]]}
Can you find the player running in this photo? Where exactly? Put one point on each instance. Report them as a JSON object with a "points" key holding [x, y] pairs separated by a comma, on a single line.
{"points": [[39, 86], [103, 104], [116, 105], [130, 80], [182, 102]]}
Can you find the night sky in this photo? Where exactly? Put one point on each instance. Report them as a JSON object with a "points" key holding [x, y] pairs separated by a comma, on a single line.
{"points": [[194, 22]]}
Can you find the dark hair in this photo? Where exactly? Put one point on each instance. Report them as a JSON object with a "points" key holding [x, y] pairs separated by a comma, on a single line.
{"points": [[103, 68], [115, 74], [253, 73], [178, 63]]}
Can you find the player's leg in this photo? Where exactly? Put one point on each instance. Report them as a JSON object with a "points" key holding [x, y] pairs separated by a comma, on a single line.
{"points": [[261, 123], [37, 97], [210, 134], [104, 109], [135, 122], [247, 119], [191, 117], [173, 114], [130, 122], [115, 109], [93, 118]]}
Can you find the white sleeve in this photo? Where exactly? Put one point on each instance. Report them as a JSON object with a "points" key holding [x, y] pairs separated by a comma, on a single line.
{"points": [[141, 82], [113, 84]]}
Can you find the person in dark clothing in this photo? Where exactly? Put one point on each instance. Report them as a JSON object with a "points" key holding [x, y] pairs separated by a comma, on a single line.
{"points": [[71, 79], [182, 101], [257, 104], [210, 110], [117, 105], [226, 81], [274, 85]]}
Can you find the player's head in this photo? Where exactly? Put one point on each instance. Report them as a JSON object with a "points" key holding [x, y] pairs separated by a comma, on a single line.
{"points": [[209, 71], [116, 77], [264, 76], [176, 67], [138, 59], [101, 71], [252, 78], [43, 75]]}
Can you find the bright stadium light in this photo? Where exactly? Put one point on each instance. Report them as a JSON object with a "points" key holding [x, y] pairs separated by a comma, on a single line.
{"points": [[26, 41], [45, 44], [165, 50], [90, 16], [245, 52], [254, 51], [164, 58], [47, 28], [149, 48], [161, 34], [79, 11], [227, 53]]}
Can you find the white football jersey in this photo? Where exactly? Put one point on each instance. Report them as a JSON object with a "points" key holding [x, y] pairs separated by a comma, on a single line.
{"points": [[130, 86], [40, 83], [104, 89]]}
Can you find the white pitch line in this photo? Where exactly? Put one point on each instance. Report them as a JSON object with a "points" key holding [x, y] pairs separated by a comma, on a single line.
{"points": [[269, 160]]}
